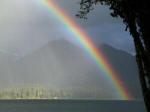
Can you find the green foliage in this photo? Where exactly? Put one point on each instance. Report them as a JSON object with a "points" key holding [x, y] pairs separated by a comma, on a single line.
{"points": [[49, 93]]}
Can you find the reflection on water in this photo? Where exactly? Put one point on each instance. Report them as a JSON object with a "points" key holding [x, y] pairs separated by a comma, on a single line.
{"points": [[71, 106]]}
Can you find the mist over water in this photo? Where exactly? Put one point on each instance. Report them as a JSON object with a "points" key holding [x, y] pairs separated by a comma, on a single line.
{"points": [[62, 66], [39, 57], [57, 65]]}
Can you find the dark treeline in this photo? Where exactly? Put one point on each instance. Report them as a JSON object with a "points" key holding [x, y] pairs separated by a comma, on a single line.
{"points": [[135, 15]]}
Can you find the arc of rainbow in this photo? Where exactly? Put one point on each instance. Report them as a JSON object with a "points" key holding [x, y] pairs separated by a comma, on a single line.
{"points": [[97, 55]]}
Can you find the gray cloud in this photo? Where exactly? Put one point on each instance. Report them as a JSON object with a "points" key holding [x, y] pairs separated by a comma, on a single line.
{"points": [[101, 27]]}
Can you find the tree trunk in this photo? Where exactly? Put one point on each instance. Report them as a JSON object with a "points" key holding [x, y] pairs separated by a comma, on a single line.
{"points": [[142, 59], [145, 89]]}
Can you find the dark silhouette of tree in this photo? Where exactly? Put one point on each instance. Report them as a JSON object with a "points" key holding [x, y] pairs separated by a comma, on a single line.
{"points": [[135, 15]]}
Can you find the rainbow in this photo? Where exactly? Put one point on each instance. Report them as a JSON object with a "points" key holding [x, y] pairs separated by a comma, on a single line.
{"points": [[96, 54]]}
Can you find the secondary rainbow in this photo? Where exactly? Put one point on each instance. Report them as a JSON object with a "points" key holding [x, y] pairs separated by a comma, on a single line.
{"points": [[85, 40]]}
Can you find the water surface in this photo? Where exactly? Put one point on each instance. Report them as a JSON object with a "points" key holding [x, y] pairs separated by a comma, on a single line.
{"points": [[71, 106]]}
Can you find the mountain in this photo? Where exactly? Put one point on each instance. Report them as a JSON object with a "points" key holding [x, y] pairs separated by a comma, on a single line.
{"points": [[61, 64], [5, 69], [125, 66]]}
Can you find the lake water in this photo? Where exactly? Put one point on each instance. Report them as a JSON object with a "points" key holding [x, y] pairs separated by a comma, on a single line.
{"points": [[71, 106]]}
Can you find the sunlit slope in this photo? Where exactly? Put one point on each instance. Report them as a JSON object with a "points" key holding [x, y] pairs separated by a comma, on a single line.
{"points": [[53, 93]]}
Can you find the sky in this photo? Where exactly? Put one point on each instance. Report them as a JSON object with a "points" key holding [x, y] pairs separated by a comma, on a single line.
{"points": [[26, 25]]}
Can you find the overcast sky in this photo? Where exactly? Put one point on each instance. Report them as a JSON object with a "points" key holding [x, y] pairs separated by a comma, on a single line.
{"points": [[26, 25]]}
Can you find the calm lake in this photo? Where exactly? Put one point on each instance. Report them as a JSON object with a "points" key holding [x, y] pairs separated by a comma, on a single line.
{"points": [[71, 106]]}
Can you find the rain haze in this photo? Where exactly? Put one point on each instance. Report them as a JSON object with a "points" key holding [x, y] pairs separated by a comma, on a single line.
{"points": [[27, 25], [37, 50]]}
